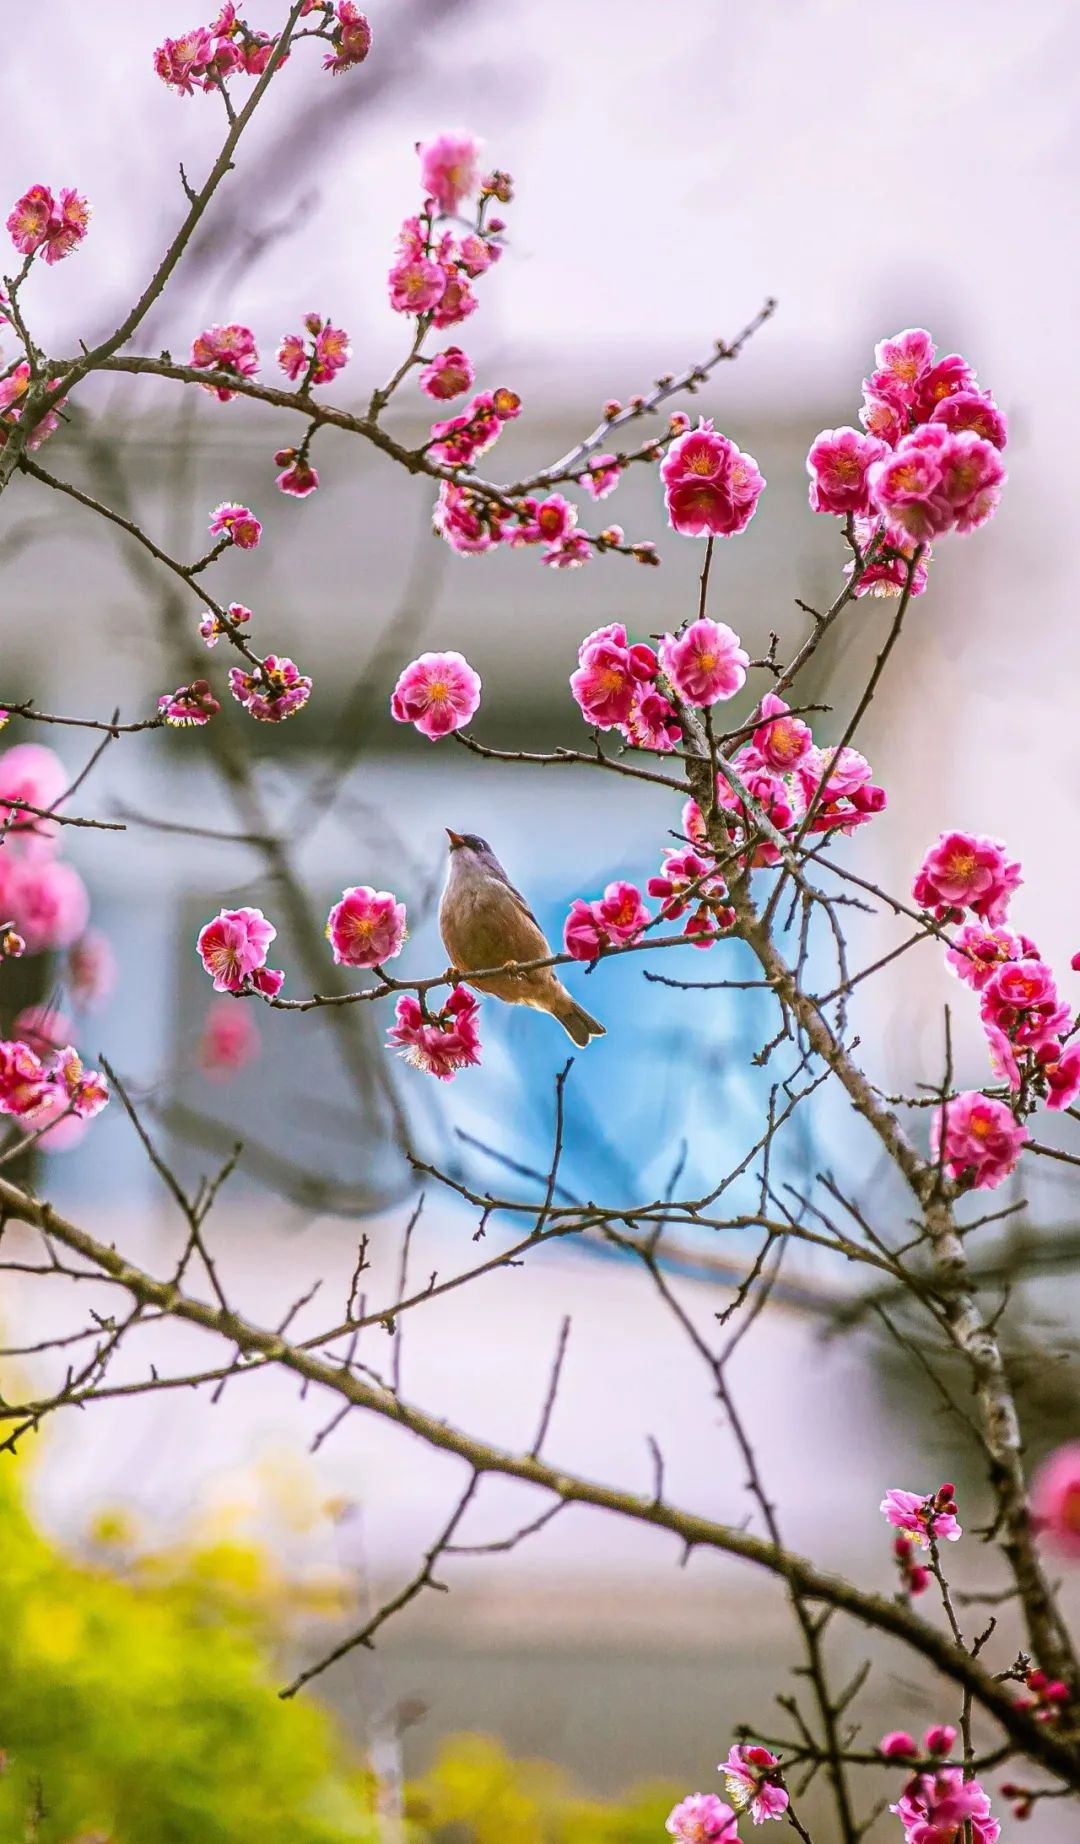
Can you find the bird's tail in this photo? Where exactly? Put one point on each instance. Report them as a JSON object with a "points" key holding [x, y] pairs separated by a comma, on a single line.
{"points": [[576, 1021]]}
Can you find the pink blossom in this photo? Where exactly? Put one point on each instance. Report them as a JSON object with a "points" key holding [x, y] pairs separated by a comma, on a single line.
{"points": [[603, 476], [211, 627], [1003, 1059], [688, 882], [618, 916], [233, 947], [299, 477], [350, 37], [44, 1028], [32, 773], [447, 375], [91, 970], [943, 1807], [702, 1818], [706, 663], [949, 377], [753, 1779], [38, 221], [940, 1738], [28, 219], [610, 671], [230, 349], [330, 351], [87, 1091], [966, 870], [975, 411], [1021, 999], [272, 691], [440, 1045], [568, 553], [838, 464], [892, 568], [551, 519], [236, 522], [780, 739], [905, 358], [179, 62], [456, 302], [366, 928], [977, 952], [230, 1039], [458, 439], [449, 169], [46, 901], [468, 524], [416, 284], [839, 782], [26, 1085], [1061, 1070], [711, 487], [67, 226], [188, 706], [980, 1141], [1055, 1500], [936, 481], [653, 722], [897, 1745], [476, 255], [438, 693], [922, 1514]]}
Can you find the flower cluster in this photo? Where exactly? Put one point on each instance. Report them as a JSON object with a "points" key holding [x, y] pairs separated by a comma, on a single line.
{"points": [[458, 440], [230, 1039], [366, 928], [795, 784], [272, 691], [233, 949], [55, 227], [437, 693], [616, 917], [230, 349], [434, 269], [440, 1045], [205, 57], [924, 1515], [297, 476], [711, 488], [898, 1745], [927, 460], [978, 1140], [189, 706], [42, 899], [44, 1089], [318, 358], [688, 885], [14, 389], [211, 627], [1045, 1697], [350, 36], [237, 524]]}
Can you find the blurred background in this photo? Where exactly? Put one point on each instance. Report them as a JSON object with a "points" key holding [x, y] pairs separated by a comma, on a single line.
{"points": [[670, 172]]}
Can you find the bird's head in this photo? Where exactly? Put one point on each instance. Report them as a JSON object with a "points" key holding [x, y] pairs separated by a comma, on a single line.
{"points": [[473, 852]]}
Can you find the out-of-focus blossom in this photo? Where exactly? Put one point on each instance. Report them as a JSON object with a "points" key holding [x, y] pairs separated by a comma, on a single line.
{"points": [[897, 1745], [416, 284], [603, 476], [230, 1039], [366, 928], [270, 692], [943, 1807], [754, 1782], [1055, 1500], [30, 772], [91, 970], [437, 693], [702, 1818], [468, 523], [440, 1044], [45, 900], [44, 1028], [980, 1141], [449, 169], [705, 663]]}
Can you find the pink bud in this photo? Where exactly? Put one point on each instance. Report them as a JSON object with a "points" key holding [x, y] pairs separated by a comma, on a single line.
{"points": [[939, 1739], [897, 1744]]}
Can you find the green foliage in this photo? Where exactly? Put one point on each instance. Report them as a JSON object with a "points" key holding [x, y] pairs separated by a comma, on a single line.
{"points": [[147, 1712], [475, 1794]]}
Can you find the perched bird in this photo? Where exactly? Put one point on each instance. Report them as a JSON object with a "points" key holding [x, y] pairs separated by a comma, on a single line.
{"points": [[484, 922]]}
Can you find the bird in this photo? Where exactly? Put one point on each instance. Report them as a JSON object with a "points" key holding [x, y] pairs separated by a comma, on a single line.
{"points": [[485, 922]]}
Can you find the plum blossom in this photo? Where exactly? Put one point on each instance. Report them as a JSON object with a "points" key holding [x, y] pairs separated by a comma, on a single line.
{"points": [[897, 1745], [702, 1818], [711, 488], [705, 663], [229, 349], [966, 870], [568, 553], [468, 523], [212, 627], [189, 706], [40, 222], [45, 900], [366, 928], [350, 37], [440, 1045], [977, 952], [618, 916], [298, 477], [602, 476], [230, 1039], [33, 774], [237, 523], [936, 481], [272, 691], [688, 885], [978, 1139], [923, 1515], [610, 671], [233, 949], [447, 375], [943, 1807], [838, 464], [318, 359], [1055, 1499], [780, 739], [1021, 999], [754, 1781], [437, 693], [91, 970], [449, 169]]}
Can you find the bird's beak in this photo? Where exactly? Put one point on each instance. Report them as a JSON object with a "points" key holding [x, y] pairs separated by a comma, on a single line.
{"points": [[455, 839]]}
